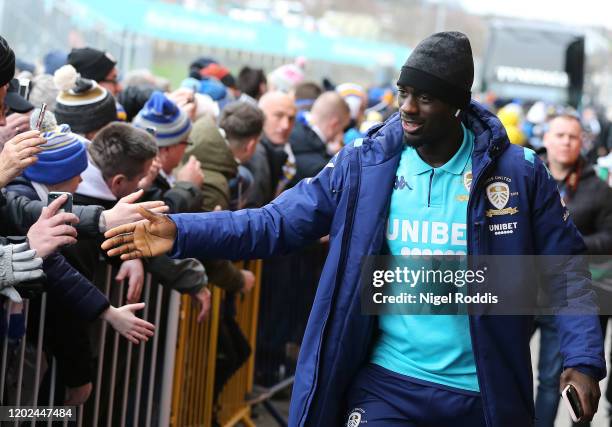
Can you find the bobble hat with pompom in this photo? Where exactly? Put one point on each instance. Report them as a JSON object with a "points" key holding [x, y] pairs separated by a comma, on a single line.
{"points": [[82, 103]]}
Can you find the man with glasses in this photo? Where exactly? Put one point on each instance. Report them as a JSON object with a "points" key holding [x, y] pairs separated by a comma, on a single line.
{"points": [[97, 65], [171, 127]]}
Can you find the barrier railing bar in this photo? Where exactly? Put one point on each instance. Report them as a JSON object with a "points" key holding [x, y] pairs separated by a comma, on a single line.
{"points": [[126, 383], [153, 358], [5, 353], [141, 350], [52, 386], [39, 346], [212, 348], [80, 416], [192, 348], [102, 348], [26, 309], [198, 348], [178, 386], [113, 376], [169, 358]]}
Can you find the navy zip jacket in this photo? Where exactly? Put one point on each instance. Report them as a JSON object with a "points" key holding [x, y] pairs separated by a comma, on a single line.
{"points": [[349, 199], [64, 281]]}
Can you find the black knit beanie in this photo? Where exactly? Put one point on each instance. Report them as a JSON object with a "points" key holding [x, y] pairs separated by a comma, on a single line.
{"points": [[441, 65], [91, 63], [7, 62]]}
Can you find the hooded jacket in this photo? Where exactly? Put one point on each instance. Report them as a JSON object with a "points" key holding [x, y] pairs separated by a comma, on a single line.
{"points": [[219, 167], [349, 199]]}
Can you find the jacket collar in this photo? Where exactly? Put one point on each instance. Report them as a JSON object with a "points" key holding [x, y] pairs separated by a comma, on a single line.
{"points": [[384, 141]]}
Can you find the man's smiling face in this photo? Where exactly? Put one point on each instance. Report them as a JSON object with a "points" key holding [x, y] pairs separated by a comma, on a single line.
{"points": [[425, 119]]}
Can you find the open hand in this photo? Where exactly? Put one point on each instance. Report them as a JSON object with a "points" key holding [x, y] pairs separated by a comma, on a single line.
{"points": [[124, 321], [51, 231], [126, 211], [150, 237]]}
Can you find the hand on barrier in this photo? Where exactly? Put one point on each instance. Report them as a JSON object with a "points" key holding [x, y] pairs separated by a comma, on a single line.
{"points": [[52, 231], [124, 321], [249, 281], [18, 263], [587, 388], [133, 271], [203, 300], [146, 182], [18, 153], [126, 210], [147, 238]]}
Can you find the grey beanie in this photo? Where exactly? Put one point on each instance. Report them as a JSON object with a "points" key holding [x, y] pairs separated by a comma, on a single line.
{"points": [[443, 66]]}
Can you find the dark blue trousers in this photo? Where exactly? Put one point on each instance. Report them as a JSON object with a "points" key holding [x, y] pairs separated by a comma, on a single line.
{"points": [[381, 398]]}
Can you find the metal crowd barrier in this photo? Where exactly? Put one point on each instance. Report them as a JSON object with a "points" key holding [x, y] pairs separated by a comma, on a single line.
{"points": [[169, 380], [133, 385], [233, 405], [195, 366]]}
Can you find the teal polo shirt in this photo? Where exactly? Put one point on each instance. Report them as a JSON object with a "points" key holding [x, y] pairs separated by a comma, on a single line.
{"points": [[427, 216]]}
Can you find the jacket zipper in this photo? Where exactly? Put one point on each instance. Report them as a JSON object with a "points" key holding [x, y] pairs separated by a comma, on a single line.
{"points": [[475, 184], [355, 167]]}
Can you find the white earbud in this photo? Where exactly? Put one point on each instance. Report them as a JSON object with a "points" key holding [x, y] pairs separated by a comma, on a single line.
{"points": [[458, 112]]}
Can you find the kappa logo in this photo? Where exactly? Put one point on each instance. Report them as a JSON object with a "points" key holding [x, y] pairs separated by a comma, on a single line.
{"points": [[498, 194], [354, 418], [467, 180], [400, 183]]}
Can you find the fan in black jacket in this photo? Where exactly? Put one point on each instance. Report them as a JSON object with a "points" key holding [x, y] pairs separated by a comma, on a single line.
{"points": [[329, 116], [589, 202]]}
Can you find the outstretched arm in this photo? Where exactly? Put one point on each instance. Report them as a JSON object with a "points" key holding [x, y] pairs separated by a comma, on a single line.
{"points": [[298, 216]]}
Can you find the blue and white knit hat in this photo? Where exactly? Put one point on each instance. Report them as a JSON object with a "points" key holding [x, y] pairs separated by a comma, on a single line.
{"points": [[172, 126], [63, 157]]}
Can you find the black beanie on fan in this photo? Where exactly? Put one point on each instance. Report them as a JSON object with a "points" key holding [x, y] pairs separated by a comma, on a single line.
{"points": [[91, 63], [7, 62], [443, 66]]}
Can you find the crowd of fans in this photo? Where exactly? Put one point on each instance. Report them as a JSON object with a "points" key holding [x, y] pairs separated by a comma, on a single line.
{"points": [[217, 142], [121, 143]]}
